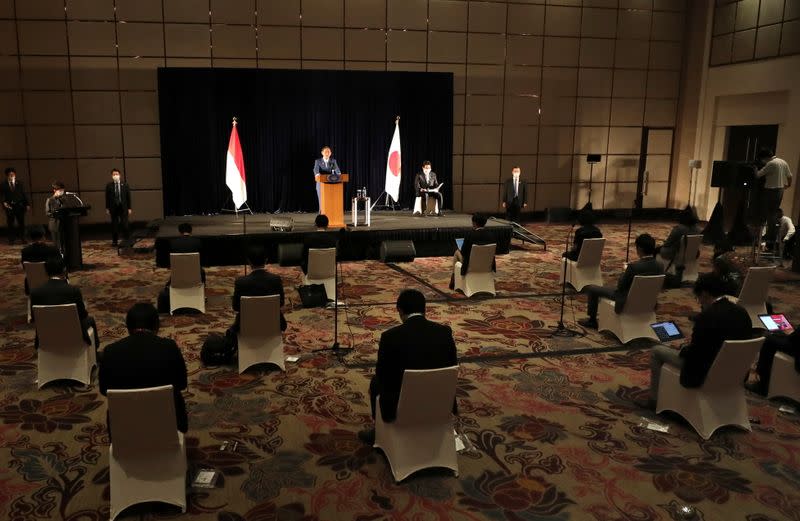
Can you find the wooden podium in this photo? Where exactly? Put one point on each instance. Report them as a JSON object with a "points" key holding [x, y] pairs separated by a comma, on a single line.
{"points": [[331, 197]]}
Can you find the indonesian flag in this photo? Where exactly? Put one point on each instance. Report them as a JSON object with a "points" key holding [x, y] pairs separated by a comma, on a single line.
{"points": [[234, 169], [393, 165]]}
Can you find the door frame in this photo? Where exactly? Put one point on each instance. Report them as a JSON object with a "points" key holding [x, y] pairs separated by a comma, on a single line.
{"points": [[639, 201]]}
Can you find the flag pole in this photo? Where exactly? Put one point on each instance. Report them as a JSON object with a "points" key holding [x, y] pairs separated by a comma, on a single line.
{"points": [[235, 208]]}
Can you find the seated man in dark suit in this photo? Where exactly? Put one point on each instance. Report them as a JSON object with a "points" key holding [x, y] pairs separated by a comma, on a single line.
{"points": [[587, 230], [184, 243], [417, 343], [58, 291], [143, 359], [719, 320], [478, 235], [38, 251], [789, 344], [258, 283], [686, 226], [322, 238], [646, 265]]}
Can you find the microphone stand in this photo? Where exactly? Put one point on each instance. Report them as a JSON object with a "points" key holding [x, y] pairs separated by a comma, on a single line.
{"points": [[335, 348], [561, 330]]}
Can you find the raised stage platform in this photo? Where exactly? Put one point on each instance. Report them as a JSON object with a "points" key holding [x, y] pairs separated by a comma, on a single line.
{"points": [[225, 237]]}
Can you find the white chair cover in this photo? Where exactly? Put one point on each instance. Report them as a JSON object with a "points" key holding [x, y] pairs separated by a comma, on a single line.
{"points": [[753, 296], [431, 206], [479, 277], [322, 269], [186, 288], [687, 257], [639, 311], [63, 354], [720, 400], [260, 339], [586, 270], [422, 434], [147, 455], [785, 380]]}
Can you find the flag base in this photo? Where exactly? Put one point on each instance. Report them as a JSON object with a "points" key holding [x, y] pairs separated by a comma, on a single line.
{"points": [[388, 204], [233, 209]]}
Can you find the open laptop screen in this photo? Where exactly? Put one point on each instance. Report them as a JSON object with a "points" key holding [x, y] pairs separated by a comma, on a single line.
{"points": [[775, 322], [666, 331]]}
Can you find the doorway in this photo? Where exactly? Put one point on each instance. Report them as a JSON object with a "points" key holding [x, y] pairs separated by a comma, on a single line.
{"points": [[655, 165]]}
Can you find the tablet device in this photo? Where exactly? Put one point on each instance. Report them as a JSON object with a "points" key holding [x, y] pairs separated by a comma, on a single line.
{"points": [[775, 322], [459, 243], [667, 331]]}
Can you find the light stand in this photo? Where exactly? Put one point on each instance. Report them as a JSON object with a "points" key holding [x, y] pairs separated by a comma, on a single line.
{"points": [[561, 330], [592, 159], [694, 164]]}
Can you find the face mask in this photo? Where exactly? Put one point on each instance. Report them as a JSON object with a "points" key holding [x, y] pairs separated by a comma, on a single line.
{"points": [[516, 175], [115, 178], [59, 193], [426, 170]]}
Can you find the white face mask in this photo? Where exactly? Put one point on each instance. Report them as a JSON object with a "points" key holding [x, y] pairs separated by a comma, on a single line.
{"points": [[515, 174], [59, 193], [115, 178], [426, 170], [12, 179]]}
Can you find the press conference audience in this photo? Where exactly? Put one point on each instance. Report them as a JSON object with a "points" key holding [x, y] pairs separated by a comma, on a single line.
{"points": [[143, 359], [321, 238], [57, 290], [645, 265], [719, 320], [587, 230], [258, 283], [479, 235], [417, 343], [687, 225], [38, 251]]}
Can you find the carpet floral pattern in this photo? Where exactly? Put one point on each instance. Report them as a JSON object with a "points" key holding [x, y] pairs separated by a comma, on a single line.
{"points": [[555, 430]]}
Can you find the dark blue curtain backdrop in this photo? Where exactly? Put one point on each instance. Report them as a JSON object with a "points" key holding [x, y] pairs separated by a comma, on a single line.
{"points": [[285, 117]]}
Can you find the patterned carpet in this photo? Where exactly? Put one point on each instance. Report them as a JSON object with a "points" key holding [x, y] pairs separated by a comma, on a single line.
{"points": [[554, 427]]}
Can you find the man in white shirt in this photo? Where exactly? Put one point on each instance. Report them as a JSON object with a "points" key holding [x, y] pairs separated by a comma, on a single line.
{"points": [[777, 177]]}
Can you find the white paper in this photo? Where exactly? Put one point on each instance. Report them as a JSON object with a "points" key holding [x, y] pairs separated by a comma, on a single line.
{"points": [[657, 427], [292, 358], [204, 477]]}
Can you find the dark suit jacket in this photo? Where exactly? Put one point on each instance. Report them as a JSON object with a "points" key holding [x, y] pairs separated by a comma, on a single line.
{"points": [[478, 236], [581, 234], [318, 239], [522, 192], [59, 291], [416, 344], [320, 168], [37, 252], [124, 193], [257, 283], [722, 320], [17, 197], [420, 182], [145, 360], [645, 266]]}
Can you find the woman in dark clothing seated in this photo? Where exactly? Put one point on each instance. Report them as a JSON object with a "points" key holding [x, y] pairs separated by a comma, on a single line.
{"points": [[686, 226], [587, 230]]}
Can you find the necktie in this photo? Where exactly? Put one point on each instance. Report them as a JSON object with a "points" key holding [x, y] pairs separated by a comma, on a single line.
{"points": [[516, 187], [116, 188]]}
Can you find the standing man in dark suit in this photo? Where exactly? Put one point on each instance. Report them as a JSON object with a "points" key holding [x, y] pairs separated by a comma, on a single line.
{"points": [[143, 359], [478, 235], [58, 291], [322, 238], [258, 283], [38, 250], [118, 206], [646, 265], [15, 203], [417, 343], [515, 195], [719, 320], [325, 165], [426, 185]]}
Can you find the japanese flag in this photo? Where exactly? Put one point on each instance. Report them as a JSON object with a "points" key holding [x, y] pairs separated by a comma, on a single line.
{"points": [[393, 165]]}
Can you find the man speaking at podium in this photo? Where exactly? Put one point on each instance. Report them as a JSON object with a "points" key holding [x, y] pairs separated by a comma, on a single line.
{"points": [[325, 165]]}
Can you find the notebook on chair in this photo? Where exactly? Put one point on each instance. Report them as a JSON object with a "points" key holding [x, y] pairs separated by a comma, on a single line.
{"points": [[776, 323], [667, 331]]}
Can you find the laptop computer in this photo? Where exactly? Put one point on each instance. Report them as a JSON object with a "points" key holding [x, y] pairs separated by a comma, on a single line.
{"points": [[775, 322], [667, 331], [459, 243]]}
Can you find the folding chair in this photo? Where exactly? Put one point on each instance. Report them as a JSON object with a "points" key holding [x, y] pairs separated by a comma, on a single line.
{"points": [[260, 338], [186, 288], [35, 276], [753, 295], [63, 354], [479, 277], [637, 314], [585, 270], [322, 269], [784, 381]]}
